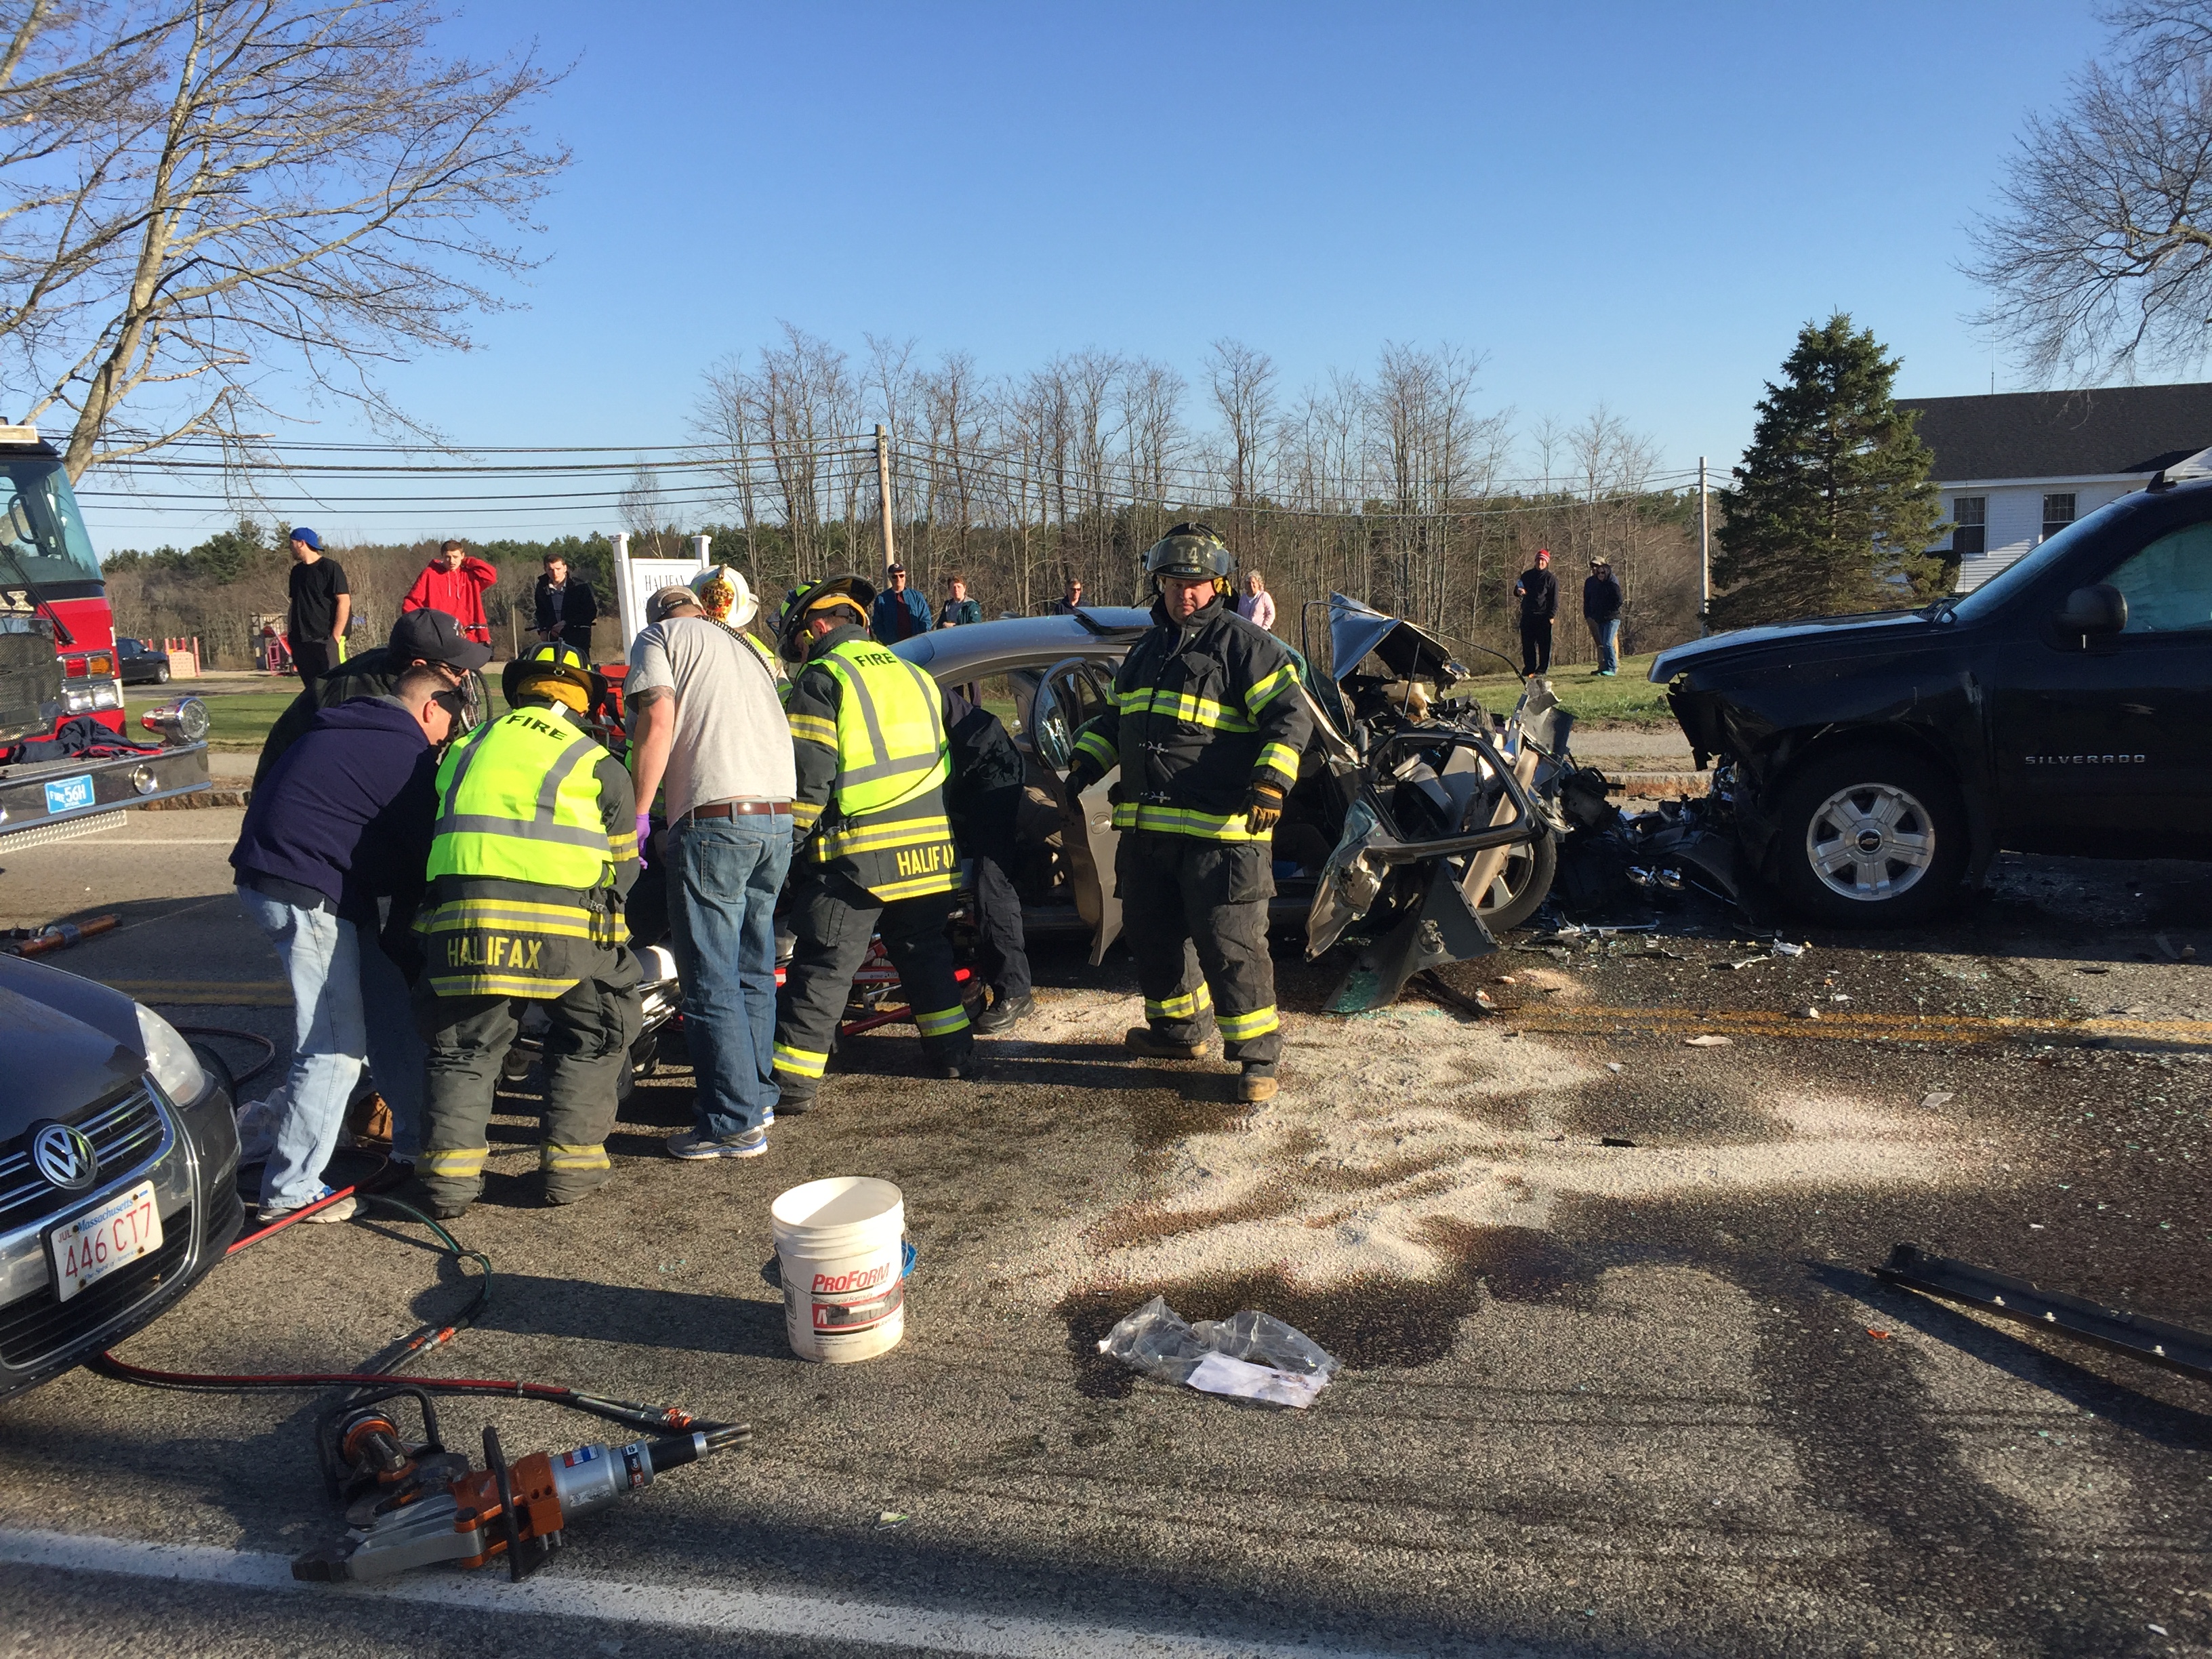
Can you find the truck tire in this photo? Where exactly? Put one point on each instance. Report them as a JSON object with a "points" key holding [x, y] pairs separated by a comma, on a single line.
{"points": [[1871, 838], [1524, 884]]}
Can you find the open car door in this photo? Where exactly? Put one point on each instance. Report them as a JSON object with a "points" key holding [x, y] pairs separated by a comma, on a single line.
{"points": [[1070, 694]]}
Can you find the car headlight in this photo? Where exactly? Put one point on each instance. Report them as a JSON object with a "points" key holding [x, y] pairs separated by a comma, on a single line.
{"points": [[170, 1058]]}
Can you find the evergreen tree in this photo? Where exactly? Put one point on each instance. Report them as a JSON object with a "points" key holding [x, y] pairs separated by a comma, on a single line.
{"points": [[1833, 511]]}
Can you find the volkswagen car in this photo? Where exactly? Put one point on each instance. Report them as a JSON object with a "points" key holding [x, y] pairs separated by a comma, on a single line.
{"points": [[118, 1167]]}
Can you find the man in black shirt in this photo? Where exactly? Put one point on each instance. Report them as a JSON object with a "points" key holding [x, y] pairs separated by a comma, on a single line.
{"points": [[567, 607], [1539, 592], [322, 606]]}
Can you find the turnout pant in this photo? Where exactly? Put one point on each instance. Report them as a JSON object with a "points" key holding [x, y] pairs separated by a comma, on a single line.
{"points": [[594, 1023], [1196, 914], [1001, 950], [832, 917], [1535, 644]]}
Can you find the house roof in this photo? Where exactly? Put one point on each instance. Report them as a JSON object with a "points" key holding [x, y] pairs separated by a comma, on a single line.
{"points": [[2064, 435]]}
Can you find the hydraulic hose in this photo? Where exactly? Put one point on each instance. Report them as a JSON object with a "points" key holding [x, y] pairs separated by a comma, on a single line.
{"points": [[630, 1413]]}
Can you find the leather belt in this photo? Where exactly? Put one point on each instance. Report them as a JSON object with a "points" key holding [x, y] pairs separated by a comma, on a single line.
{"points": [[730, 808]]}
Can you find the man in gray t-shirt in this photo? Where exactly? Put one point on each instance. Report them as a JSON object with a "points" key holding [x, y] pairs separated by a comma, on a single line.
{"points": [[705, 727]]}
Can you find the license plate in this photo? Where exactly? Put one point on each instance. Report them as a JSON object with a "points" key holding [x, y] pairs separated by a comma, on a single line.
{"points": [[70, 795], [88, 1248]]}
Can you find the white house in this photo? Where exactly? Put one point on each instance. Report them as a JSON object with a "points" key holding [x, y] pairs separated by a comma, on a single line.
{"points": [[2017, 466]]}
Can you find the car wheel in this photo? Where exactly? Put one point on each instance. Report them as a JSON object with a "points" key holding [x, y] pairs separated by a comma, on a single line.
{"points": [[161, 675], [1523, 883], [1870, 839]]}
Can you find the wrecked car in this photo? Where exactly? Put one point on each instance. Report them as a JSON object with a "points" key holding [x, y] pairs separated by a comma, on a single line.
{"points": [[1870, 767], [1417, 828]]}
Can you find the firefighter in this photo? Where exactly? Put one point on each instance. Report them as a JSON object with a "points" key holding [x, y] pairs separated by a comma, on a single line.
{"points": [[875, 851], [535, 848], [1207, 724]]}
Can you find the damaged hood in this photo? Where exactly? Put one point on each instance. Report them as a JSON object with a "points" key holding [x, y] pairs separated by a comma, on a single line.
{"points": [[1402, 651]]}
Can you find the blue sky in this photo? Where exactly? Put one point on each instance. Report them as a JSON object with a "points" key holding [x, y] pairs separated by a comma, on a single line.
{"points": [[1635, 205]]}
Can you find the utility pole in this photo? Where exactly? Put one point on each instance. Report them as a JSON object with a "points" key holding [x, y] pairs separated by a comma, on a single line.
{"points": [[884, 490], [1705, 554]]}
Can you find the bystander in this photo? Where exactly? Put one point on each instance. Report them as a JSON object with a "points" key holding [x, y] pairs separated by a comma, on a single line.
{"points": [[707, 729], [342, 822], [320, 606], [1601, 610]]}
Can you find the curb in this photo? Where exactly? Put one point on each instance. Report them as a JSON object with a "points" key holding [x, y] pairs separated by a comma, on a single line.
{"points": [[205, 798]]}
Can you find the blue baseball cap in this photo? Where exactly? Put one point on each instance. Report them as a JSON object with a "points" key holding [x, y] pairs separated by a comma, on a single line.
{"points": [[301, 533]]}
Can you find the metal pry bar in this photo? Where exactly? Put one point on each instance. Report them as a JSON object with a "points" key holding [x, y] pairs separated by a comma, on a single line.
{"points": [[2174, 1346]]}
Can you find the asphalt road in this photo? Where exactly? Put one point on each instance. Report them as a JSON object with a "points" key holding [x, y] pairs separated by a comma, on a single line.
{"points": [[1597, 1398]]}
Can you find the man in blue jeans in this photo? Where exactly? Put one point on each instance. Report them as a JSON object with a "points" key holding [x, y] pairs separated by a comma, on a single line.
{"points": [[708, 728], [1601, 610], [341, 821]]}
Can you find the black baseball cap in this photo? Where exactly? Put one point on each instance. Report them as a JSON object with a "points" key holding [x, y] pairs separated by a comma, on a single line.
{"points": [[433, 637]]}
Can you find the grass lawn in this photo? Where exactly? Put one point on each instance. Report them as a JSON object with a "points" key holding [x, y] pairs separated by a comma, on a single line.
{"points": [[1630, 699]]}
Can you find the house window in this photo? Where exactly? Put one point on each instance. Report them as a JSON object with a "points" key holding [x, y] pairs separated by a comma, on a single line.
{"points": [[2057, 514], [1970, 534]]}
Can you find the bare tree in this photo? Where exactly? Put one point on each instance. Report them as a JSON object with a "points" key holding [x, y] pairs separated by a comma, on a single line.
{"points": [[270, 187], [644, 510], [2101, 258], [1242, 382]]}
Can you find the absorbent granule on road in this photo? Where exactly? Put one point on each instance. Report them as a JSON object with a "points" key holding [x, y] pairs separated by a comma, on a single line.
{"points": [[1397, 1131]]}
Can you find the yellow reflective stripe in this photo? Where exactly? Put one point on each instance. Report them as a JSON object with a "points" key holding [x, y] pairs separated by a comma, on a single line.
{"points": [[1188, 1006], [1091, 743], [814, 728], [622, 845], [1184, 705], [1266, 689], [552, 1156], [1182, 821], [800, 1062], [1280, 758], [455, 1161], [942, 1022], [805, 813], [497, 985], [580, 925], [1239, 1028], [873, 837], [888, 890]]}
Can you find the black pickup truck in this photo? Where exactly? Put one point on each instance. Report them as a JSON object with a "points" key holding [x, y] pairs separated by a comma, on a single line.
{"points": [[1874, 765]]}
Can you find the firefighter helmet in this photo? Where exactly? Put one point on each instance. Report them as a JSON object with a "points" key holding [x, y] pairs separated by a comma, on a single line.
{"points": [[1191, 553], [564, 665], [802, 602]]}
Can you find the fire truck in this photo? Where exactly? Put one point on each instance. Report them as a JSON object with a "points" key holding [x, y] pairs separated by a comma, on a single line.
{"points": [[58, 667]]}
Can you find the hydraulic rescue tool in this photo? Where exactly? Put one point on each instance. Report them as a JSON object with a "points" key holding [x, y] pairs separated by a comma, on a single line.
{"points": [[410, 1504]]}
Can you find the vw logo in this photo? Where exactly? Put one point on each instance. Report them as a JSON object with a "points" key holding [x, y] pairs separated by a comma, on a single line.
{"points": [[65, 1157]]}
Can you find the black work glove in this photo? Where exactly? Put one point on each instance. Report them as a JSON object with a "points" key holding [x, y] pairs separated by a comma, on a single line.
{"points": [[1081, 776], [1263, 808]]}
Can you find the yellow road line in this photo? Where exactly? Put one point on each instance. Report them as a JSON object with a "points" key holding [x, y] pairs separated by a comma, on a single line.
{"points": [[1859, 1027], [236, 994]]}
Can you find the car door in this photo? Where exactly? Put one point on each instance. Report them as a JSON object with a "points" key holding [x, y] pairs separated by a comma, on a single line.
{"points": [[2106, 742], [1070, 693]]}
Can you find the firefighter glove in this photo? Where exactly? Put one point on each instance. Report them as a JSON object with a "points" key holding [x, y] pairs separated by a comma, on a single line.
{"points": [[1263, 808]]}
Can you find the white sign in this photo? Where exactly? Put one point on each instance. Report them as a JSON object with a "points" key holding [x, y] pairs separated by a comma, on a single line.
{"points": [[637, 580]]}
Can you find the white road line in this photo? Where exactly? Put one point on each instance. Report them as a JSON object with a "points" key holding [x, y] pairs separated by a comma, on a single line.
{"points": [[135, 841], [563, 1595]]}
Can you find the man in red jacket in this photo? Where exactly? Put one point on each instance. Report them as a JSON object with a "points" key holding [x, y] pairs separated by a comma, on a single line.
{"points": [[454, 583]]}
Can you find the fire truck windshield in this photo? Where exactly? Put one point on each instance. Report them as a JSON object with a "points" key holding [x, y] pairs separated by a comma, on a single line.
{"points": [[41, 528]]}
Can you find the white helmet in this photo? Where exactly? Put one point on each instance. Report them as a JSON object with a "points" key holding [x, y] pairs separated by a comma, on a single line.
{"points": [[724, 595]]}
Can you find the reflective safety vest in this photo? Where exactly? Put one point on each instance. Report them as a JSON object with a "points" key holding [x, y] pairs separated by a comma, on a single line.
{"points": [[888, 828], [518, 801]]}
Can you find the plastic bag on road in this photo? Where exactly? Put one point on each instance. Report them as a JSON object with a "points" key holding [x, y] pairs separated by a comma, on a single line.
{"points": [[1250, 1355]]}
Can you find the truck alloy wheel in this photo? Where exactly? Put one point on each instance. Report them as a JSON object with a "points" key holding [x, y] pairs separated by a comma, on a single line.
{"points": [[1870, 839], [1870, 842]]}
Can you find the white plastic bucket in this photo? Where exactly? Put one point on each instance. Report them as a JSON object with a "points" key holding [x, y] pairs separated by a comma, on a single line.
{"points": [[839, 1247]]}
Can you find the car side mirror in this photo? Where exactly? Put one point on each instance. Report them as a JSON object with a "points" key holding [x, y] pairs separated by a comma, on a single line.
{"points": [[2102, 608]]}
